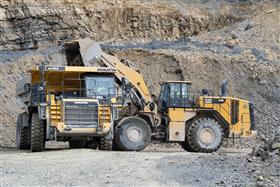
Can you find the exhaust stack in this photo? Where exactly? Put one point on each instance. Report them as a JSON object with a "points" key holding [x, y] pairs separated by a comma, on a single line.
{"points": [[224, 86]]}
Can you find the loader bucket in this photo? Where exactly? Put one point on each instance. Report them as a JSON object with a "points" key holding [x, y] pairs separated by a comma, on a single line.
{"points": [[84, 52]]}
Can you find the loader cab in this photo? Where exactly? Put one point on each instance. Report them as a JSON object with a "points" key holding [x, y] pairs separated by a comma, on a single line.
{"points": [[174, 95]]}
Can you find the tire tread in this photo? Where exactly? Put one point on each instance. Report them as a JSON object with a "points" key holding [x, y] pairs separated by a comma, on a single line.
{"points": [[106, 144], [37, 134], [192, 139]]}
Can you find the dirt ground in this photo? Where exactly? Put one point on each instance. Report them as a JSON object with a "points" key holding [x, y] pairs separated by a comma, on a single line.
{"points": [[167, 167]]}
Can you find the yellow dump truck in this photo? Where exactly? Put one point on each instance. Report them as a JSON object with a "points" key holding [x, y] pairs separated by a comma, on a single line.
{"points": [[75, 104], [83, 104]]}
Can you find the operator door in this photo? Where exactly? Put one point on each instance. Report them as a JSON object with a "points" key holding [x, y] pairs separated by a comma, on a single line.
{"points": [[174, 95]]}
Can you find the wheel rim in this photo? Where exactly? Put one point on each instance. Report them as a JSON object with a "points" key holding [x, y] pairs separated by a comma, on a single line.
{"points": [[134, 134], [206, 136]]}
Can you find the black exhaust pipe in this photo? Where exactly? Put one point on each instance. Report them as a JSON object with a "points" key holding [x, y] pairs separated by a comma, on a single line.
{"points": [[224, 88]]}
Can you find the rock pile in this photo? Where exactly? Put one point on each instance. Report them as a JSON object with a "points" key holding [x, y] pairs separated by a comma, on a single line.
{"points": [[269, 149]]}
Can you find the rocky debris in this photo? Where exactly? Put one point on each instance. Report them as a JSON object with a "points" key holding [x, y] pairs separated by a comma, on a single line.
{"points": [[275, 144], [269, 149]]}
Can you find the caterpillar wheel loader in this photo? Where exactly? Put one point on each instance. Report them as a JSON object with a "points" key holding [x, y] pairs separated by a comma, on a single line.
{"points": [[199, 121]]}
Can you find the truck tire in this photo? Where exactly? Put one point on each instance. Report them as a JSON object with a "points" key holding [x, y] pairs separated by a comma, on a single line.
{"points": [[205, 135], [22, 135], [76, 144], [37, 134], [106, 143], [133, 134]]}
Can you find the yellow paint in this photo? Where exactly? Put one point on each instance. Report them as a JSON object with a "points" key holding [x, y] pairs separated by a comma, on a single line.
{"points": [[178, 118], [180, 114], [61, 129], [54, 111], [105, 117], [242, 127]]}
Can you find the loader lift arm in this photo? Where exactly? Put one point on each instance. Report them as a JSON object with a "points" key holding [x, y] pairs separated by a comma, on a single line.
{"points": [[123, 71], [90, 52]]}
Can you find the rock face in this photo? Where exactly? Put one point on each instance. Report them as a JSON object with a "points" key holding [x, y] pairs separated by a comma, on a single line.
{"points": [[30, 24]]}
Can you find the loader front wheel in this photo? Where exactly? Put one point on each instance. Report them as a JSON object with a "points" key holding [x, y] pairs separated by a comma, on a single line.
{"points": [[22, 135], [205, 135], [186, 145], [37, 133], [133, 134]]}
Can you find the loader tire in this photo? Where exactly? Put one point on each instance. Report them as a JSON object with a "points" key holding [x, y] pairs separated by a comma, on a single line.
{"points": [[116, 147], [106, 143], [22, 135], [37, 134], [133, 134], [77, 144], [186, 145], [205, 135]]}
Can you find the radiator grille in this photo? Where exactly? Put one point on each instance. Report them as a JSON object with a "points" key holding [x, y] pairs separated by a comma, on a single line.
{"points": [[81, 114]]}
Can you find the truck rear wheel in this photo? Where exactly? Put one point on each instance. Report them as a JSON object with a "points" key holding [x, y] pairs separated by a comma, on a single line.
{"points": [[205, 135], [22, 135], [37, 134], [133, 134], [106, 143], [76, 144]]}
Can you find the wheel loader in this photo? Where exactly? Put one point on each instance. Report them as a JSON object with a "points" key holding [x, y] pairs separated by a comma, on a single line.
{"points": [[110, 107]]}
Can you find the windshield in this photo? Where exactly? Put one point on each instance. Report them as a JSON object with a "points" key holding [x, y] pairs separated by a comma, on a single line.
{"points": [[100, 87]]}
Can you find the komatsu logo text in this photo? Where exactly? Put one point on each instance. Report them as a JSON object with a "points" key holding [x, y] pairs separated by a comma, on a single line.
{"points": [[103, 69]]}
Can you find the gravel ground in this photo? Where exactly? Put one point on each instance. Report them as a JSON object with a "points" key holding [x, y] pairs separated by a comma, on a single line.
{"points": [[86, 167]]}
